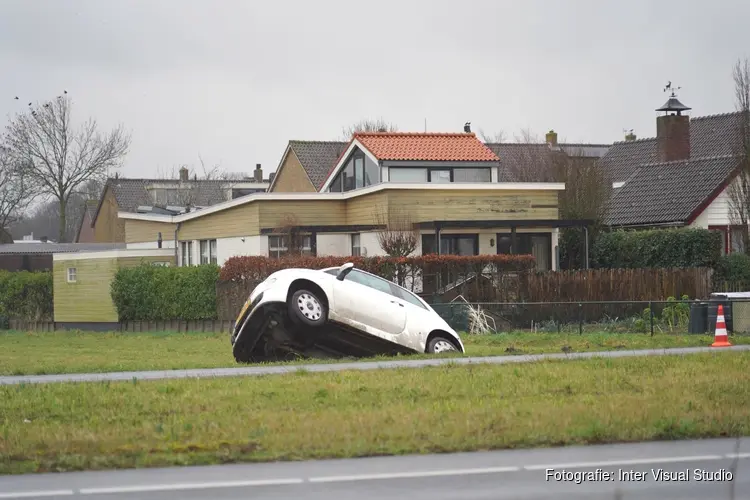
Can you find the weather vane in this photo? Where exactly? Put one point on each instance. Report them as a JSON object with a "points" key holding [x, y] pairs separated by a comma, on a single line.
{"points": [[670, 88]]}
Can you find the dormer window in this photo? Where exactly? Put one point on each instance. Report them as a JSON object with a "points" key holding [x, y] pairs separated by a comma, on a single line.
{"points": [[360, 171]]}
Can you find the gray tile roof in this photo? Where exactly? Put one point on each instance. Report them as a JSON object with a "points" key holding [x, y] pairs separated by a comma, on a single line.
{"points": [[318, 157], [49, 248], [713, 135], [663, 193], [130, 193]]}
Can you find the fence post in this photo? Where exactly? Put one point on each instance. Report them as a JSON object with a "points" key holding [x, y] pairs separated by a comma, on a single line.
{"points": [[651, 316], [580, 319]]}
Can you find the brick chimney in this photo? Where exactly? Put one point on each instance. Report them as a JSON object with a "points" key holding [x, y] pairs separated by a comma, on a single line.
{"points": [[184, 174], [258, 173], [673, 131], [551, 138]]}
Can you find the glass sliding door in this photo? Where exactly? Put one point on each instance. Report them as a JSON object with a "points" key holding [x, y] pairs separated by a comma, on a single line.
{"points": [[537, 244]]}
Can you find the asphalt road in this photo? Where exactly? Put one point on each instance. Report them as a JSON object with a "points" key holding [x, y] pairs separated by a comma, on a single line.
{"points": [[357, 365], [518, 474]]}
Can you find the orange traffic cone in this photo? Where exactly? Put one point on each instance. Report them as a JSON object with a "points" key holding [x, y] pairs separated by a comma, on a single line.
{"points": [[721, 339]]}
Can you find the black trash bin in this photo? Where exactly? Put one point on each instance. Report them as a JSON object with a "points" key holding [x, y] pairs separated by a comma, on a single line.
{"points": [[713, 309], [698, 317]]}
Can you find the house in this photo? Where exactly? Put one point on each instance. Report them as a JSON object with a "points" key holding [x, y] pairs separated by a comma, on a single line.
{"points": [[163, 196], [449, 186], [526, 161], [680, 178], [85, 232], [81, 284], [38, 255]]}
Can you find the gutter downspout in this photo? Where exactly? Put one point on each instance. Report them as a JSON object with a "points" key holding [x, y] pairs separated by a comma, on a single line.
{"points": [[176, 245], [586, 232]]}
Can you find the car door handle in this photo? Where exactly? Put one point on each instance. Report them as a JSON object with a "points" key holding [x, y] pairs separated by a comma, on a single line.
{"points": [[395, 302]]}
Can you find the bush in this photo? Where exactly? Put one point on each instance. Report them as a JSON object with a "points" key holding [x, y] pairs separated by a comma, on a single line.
{"points": [[666, 248], [254, 268], [733, 268], [153, 293], [25, 296]]}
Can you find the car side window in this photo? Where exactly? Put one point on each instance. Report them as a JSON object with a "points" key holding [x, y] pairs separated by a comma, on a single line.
{"points": [[365, 279], [410, 297]]}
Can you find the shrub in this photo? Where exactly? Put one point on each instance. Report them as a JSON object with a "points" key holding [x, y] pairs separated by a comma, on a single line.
{"points": [[256, 268], [25, 295], [152, 293], [733, 268], [667, 248]]}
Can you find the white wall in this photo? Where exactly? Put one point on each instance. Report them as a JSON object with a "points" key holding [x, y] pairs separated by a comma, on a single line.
{"points": [[555, 242], [336, 244], [232, 247], [370, 242], [717, 213]]}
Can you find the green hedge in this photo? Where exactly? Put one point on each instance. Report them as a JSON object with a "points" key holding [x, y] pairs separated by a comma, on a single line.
{"points": [[668, 248], [733, 268], [153, 293], [26, 296]]}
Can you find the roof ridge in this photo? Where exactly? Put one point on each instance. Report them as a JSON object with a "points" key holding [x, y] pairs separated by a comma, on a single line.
{"points": [[304, 141], [691, 160], [415, 134], [728, 113]]}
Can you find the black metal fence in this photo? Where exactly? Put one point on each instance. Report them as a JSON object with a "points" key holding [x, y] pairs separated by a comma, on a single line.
{"points": [[648, 317]]}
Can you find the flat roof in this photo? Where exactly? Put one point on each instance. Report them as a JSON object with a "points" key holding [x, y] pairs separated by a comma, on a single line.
{"points": [[483, 186], [115, 254]]}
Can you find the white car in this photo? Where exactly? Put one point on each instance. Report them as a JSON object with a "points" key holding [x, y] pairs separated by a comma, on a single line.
{"points": [[336, 312]]}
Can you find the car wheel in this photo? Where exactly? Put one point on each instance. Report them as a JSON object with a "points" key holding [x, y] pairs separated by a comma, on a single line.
{"points": [[307, 308], [440, 345]]}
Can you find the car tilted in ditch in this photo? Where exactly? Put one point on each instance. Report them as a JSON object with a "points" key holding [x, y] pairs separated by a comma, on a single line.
{"points": [[333, 313]]}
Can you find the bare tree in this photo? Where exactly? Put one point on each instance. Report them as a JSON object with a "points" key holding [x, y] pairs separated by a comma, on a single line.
{"points": [[58, 158], [378, 125], [738, 192], [399, 236], [190, 192], [15, 193], [492, 137]]}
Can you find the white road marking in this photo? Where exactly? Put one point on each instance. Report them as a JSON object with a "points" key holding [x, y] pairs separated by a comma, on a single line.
{"points": [[33, 494], [367, 477], [399, 475], [189, 486], [636, 461]]}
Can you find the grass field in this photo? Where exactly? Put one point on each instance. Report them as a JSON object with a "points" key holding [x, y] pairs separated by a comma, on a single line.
{"points": [[60, 427], [24, 353]]}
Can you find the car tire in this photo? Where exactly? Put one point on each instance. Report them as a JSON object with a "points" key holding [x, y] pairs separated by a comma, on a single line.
{"points": [[306, 307], [439, 345]]}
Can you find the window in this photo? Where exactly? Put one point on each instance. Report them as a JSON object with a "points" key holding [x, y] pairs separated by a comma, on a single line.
{"points": [[356, 251], [186, 248], [371, 281], [278, 245], [451, 244], [441, 176], [208, 251], [737, 240], [472, 175], [398, 174], [409, 297], [537, 244], [72, 275], [359, 171]]}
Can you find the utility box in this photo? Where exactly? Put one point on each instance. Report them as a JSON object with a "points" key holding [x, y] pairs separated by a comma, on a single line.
{"points": [[739, 306]]}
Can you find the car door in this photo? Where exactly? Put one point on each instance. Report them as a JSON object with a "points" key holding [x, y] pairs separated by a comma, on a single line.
{"points": [[418, 319], [370, 300]]}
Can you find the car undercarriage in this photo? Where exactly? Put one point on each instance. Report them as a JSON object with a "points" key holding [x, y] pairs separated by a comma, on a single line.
{"points": [[270, 334]]}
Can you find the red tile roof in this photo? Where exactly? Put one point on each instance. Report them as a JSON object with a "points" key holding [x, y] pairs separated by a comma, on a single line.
{"points": [[417, 146]]}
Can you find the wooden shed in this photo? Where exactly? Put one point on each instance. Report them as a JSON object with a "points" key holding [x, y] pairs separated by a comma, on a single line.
{"points": [[81, 284]]}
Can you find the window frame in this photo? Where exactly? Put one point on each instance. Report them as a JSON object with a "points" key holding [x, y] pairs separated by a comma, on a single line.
{"points": [[358, 246], [280, 251], [74, 275], [186, 246], [207, 251], [357, 160]]}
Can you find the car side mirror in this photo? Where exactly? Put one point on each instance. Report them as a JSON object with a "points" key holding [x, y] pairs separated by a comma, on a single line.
{"points": [[344, 270]]}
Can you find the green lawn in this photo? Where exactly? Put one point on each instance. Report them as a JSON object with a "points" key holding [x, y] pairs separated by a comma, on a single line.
{"points": [[59, 427], [24, 353]]}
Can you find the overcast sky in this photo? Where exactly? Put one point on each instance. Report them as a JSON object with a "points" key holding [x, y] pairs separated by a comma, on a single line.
{"points": [[233, 81]]}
